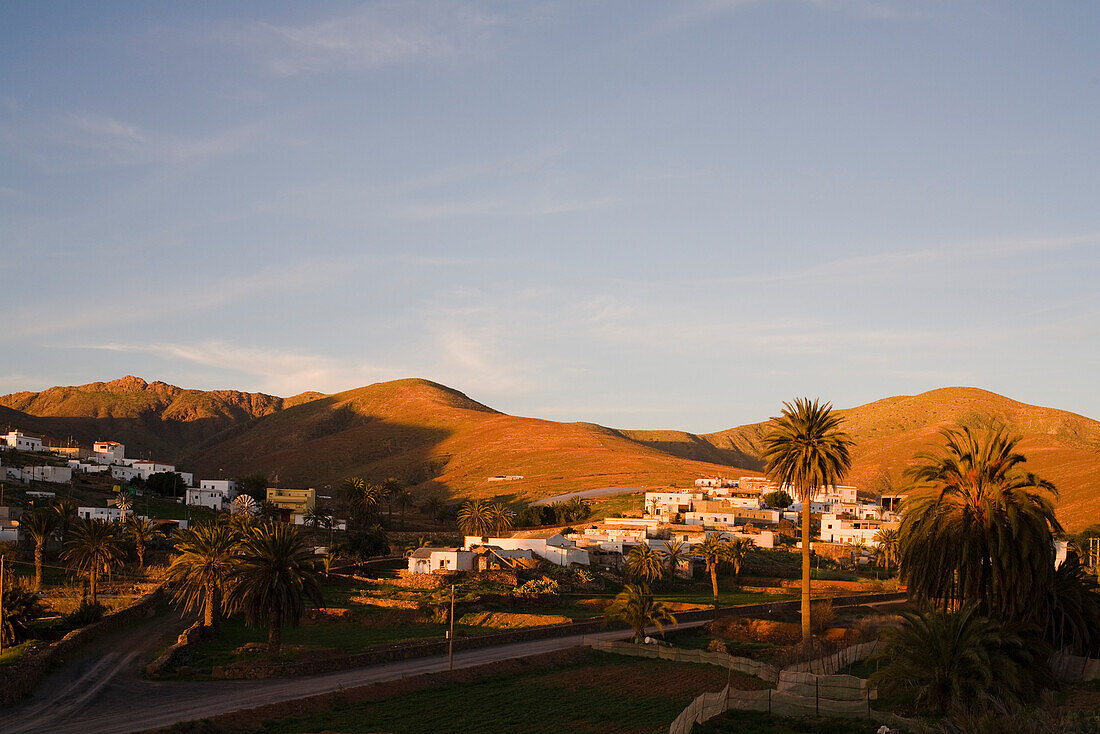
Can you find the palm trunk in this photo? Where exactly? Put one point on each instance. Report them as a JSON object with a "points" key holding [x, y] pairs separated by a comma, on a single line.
{"points": [[93, 578], [141, 555], [274, 635], [208, 606], [39, 550], [806, 633], [714, 580]]}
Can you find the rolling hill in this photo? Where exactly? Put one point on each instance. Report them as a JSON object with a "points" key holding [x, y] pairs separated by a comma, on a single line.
{"points": [[432, 436], [151, 418]]}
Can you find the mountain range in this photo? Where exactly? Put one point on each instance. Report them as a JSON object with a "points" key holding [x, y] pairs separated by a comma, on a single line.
{"points": [[432, 436]]}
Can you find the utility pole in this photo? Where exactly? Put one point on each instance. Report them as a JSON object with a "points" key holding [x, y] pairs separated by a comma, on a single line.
{"points": [[450, 635], [2, 559]]}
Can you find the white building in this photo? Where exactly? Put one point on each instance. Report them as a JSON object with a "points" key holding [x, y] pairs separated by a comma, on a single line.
{"points": [[124, 473], [9, 523], [426, 560], [108, 452], [22, 442], [207, 498], [54, 474], [86, 468], [106, 514], [837, 529], [225, 486], [556, 549], [151, 467]]}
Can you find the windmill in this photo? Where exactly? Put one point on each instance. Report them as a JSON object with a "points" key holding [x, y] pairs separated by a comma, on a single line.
{"points": [[243, 504]]}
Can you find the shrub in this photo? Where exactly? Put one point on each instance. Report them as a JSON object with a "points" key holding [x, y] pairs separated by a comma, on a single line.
{"points": [[87, 613], [822, 615]]}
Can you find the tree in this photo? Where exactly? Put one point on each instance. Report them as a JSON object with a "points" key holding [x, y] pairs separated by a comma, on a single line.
{"points": [[476, 518], [253, 485], [39, 525], [805, 450], [713, 550], [144, 531], [432, 507], [94, 547], [202, 567], [953, 660], [390, 489], [978, 528], [674, 552], [414, 546], [66, 518], [1072, 609], [363, 499], [636, 606], [20, 609], [275, 571], [887, 540], [778, 499], [645, 564], [579, 509], [318, 517], [166, 484], [501, 517], [404, 502], [736, 552]]}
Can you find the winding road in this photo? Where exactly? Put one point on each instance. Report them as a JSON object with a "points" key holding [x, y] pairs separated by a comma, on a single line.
{"points": [[102, 690]]}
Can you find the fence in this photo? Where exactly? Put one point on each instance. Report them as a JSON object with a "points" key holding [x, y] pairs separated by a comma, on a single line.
{"points": [[1073, 668], [761, 670], [841, 659]]}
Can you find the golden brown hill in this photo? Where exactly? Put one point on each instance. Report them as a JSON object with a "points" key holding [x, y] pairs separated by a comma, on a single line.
{"points": [[432, 436], [149, 417], [1060, 446]]}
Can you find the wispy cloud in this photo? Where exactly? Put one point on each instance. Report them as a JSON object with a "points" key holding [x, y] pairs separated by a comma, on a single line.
{"points": [[689, 14], [376, 35], [130, 143]]}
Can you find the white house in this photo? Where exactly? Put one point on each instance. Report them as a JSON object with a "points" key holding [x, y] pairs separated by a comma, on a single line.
{"points": [[86, 468], [556, 549], [836, 529], [54, 474], [106, 514], [124, 473], [108, 452], [225, 486], [22, 442], [207, 498], [9, 523], [39, 495], [426, 560]]}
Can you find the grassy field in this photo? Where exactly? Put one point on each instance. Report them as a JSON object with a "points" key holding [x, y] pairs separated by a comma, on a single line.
{"points": [[597, 693], [753, 722]]}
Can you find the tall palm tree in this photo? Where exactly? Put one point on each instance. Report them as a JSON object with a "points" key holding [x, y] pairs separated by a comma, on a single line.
{"points": [[417, 544], [274, 571], [579, 509], [1072, 609], [979, 528], [202, 567], [502, 517], [39, 525], [887, 540], [476, 518], [952, 660], [364, 499], [391, 488], [674, 552], [94, 547], [636, 606], [404, 502], [432, 506], [713, 550], [806, 450], [143, 531], [645, 564]]}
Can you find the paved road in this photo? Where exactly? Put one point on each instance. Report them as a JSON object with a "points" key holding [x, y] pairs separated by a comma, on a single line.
{"points": [[103, 691], [589, 494]]}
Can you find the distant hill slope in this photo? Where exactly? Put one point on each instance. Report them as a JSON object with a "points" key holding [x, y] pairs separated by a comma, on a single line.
{"points": [[149, 417], [432, 436], [1060, 446]]}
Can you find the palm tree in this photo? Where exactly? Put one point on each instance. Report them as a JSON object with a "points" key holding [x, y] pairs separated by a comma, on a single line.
{"points": [[66, 518], [636, 606], [391, 488], [645, 564], [202, 567], [713, 550], [502, 517], [476, 518], [335, 553], [1072, 609], [363, 499], [578, 508], [143, 531], [318, 517], [39, 525], [887, 541], [978, 527], [736, 552], [674, 552], [432, 506], [952, 660], [805, 451], [94, 546], [274, 571], [404, 501]]}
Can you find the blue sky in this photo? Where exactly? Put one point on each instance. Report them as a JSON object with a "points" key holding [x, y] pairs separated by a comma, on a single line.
{"points": [[638, 214]]}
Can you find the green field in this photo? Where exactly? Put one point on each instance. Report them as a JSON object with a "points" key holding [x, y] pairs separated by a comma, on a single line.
{"points": [[597, 693]]}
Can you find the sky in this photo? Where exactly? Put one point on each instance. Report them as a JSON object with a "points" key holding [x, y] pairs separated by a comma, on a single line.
{"points": [[641, 214]]}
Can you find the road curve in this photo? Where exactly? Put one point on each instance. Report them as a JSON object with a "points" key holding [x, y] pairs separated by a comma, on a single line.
{"points": [[106, 694]]}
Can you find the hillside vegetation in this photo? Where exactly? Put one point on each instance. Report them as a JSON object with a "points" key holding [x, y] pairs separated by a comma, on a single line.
{"points": [[434, 437]]}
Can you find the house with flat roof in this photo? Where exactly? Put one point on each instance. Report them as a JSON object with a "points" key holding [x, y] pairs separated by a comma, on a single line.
{"points": [[292, 502], [22, 442]]}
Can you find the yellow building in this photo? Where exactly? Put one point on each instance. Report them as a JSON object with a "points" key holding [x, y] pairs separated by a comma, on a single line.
{"points": [[292, 502]]}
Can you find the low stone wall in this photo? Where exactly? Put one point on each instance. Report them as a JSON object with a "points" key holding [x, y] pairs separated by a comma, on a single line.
{"points": [[21, 677], [176, 653]]}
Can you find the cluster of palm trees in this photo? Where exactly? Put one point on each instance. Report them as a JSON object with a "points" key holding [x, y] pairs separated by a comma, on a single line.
{"points": [[366, 499], [93, 547], [478, 517], [263, 570], [647, 565]]}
